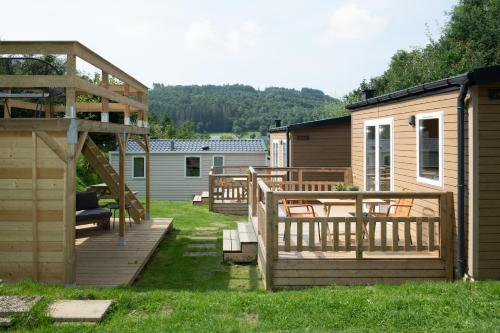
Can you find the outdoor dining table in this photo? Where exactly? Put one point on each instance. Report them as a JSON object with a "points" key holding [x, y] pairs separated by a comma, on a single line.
{"points": [[328, 203]]}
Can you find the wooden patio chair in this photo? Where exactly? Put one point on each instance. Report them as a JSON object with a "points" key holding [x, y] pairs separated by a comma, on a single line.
{"points": [[309, 212], [402, 208]]}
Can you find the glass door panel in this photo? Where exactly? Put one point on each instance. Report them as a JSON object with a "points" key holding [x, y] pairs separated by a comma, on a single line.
{"points": [[370, 158], [384, 157]]}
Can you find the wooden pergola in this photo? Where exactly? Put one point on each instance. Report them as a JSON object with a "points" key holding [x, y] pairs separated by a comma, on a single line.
{"points": [[53, 144]]}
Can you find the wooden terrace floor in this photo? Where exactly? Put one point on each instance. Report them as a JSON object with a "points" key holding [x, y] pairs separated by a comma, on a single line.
{"points": [[101, 262]]}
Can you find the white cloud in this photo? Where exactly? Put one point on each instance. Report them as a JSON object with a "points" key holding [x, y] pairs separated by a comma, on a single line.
{"points": [[351, 22], [204, 35], [201, 34]]}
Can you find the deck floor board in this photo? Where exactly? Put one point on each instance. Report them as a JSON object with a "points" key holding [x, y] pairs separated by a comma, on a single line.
{"points": [[101, 262]]}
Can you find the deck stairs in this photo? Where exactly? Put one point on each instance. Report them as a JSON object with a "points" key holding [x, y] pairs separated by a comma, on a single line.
{"points": [[200, 198], [101, 165], [240, 246]]}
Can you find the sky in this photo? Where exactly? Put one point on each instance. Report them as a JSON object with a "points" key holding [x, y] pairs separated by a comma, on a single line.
{"points": [[330, 45]]}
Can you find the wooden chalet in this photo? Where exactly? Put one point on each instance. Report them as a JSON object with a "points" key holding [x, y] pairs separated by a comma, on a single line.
{"points": [[41, 138]]}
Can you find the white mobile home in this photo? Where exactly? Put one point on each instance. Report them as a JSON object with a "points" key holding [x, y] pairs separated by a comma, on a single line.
{"points": [[179, 168]]}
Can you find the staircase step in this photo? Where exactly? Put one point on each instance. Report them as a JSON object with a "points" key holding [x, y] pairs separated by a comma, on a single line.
{"points": [[197, 200], [246, 233], [230, 241]]}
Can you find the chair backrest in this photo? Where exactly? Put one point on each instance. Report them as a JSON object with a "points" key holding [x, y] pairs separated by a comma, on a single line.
{"points": [[86, 200], [287, 208], [403, 207]]}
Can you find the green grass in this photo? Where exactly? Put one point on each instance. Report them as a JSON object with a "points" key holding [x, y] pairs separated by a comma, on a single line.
{"points": [[184, 294]]}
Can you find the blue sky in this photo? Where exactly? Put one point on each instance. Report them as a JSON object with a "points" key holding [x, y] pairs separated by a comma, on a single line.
{"points": [[330, 45]]}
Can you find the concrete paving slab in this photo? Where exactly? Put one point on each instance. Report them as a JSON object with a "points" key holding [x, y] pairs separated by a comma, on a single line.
{"points": [[5, 322], [201, 246], [11, 305], [206, 228], [200, 238], [79, 310], [220, 225], [200, 254]]}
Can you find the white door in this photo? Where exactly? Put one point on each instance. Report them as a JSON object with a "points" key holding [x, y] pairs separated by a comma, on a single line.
{"points": [[379, 155]]}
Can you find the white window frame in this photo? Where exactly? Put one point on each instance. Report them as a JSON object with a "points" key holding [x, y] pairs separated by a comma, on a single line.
{"points": [[213, 162], [377, 122], [276, 144], [185, 166], [133, 167], [432, 115], [284, 153]]}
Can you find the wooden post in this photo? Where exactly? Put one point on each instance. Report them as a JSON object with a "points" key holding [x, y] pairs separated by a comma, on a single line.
{"points": [[105, 101], [69, 182], [446, 231], [126, 114], [34, 205], [6, 107], [121, 190], [359, 226], [211, 192], [148, 177], [270, 255], [140, 113]]}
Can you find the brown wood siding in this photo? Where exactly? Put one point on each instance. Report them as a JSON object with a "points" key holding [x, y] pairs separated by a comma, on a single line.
{"points": [[489, 184], [19, 255], [327, 146], [277, 136], [404, 145]]}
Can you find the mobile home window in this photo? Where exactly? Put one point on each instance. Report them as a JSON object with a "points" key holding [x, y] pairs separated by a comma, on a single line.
{"points": [[218, 165], [193, 168], [139, 166], [430, 148]]}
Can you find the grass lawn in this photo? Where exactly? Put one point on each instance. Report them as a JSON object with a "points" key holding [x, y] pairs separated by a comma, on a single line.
{"points": [[199, 294]]}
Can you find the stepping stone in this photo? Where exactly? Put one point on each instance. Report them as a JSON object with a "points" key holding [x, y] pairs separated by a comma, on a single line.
{"points": [[201, 246], [204, 238], [200, 254], [206, 228], [204, 233], [5, 322], [220, 225], [79, 310], [11, 305]]}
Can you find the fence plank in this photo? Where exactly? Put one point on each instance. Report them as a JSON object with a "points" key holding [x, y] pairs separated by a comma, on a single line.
{"points": [[419, 234], [395, 234], [287, 235], [323, 235], [299, 236], [407, 235], [371, 233], [311, 236]]}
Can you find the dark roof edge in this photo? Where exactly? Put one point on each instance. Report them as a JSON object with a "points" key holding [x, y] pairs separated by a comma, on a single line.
{"points": [[475, 76], [311, 124]]}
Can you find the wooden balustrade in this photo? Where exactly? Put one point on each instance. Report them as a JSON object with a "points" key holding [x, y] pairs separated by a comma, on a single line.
{"points": [[360, 232]]}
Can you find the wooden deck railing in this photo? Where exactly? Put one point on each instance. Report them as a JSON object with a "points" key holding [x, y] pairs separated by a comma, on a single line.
{"points": [[359, 234], [296, 179], [227, 184]]}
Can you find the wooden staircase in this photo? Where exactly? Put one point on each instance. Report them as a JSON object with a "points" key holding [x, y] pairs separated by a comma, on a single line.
{"points": [[101, 165], [240, 246]]}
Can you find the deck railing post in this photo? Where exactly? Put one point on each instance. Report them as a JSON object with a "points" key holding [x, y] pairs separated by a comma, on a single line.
{"points": [[359, 226], [254, 192], [270, 238], [211, 191]]}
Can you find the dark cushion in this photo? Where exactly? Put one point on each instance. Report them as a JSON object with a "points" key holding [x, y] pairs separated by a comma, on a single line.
{"points": [[86, 200], [92, 214]]}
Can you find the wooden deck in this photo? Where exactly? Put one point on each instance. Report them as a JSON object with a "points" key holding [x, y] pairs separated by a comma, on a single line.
{"points": [[101, 262]]}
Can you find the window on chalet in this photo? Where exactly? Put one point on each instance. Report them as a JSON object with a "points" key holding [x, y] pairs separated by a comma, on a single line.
{"points": [[430, 148]]}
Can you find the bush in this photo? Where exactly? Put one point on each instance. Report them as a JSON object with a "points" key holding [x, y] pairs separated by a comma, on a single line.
{"points": [[344, 187]]}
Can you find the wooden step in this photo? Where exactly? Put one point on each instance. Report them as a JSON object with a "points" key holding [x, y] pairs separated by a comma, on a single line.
{"points": [[197, 200], [247, 233], [230, 241]]}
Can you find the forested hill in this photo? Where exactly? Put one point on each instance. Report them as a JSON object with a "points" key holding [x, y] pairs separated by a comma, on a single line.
{"points": [[239, 108]]}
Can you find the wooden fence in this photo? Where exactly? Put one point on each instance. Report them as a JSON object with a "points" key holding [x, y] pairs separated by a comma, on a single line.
{"points": [[295, 179], [364, 237]]}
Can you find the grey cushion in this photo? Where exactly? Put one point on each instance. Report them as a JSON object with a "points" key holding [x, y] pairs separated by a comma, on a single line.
{"points": [[86, 200], [92, 214]]}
